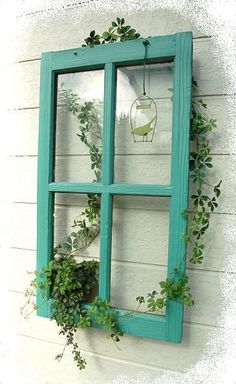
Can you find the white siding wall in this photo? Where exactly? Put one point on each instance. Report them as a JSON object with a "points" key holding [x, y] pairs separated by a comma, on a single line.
{"points": [[36, 339]]}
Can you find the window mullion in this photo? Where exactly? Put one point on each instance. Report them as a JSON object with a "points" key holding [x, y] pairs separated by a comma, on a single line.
{"points": [[107, 179], [108, 124], [105, 246]]}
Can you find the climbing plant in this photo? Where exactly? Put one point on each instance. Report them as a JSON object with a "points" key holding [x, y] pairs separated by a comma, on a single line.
{"points": [[71, 282], [203, 201]]}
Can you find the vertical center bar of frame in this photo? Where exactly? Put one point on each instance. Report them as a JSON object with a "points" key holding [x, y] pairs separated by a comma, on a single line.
{"points": [[107, 179], [109, 124]]}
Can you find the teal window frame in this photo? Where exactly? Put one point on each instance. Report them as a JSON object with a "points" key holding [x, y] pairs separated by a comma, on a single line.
{"points": [[176, 48]]}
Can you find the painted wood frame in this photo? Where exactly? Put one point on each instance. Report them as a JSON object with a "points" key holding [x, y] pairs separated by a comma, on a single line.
{"points": [[177, 49]]}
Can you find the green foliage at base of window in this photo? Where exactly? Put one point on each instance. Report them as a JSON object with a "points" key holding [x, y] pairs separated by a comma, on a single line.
{"points": [[71, 284], [171, 289]]}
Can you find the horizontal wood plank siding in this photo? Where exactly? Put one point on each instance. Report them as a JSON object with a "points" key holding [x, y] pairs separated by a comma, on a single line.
{"points": [[37, 339]]}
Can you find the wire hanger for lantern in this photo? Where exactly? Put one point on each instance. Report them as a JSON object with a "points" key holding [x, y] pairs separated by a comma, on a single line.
{"points": [[143, 111]]}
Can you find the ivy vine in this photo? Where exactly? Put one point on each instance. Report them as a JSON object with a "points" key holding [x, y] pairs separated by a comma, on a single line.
{"points": [[202, 204], [71, 283]]}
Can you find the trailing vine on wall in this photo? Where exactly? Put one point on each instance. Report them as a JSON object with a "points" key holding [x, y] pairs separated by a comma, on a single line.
{"points": [[203, 202], [72, 282]]}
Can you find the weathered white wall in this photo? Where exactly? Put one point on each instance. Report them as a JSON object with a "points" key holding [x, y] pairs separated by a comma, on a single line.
{"points": [[36, 340]]}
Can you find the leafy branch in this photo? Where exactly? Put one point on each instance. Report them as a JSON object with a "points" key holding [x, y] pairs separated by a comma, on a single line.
{"points": [[70, 284], [86, 226], [203, 205], [118, 31], [205, 199], [175, 289]]}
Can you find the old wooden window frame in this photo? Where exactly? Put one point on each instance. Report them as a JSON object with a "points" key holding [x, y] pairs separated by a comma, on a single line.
{"points": [[176, 48]]}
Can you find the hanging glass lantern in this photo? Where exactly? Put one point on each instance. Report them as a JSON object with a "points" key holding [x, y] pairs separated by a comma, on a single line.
{"points": [[143, 112]]}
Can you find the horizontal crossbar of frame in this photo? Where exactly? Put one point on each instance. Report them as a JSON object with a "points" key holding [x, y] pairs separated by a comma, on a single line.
{"points": [[161, 48], [114, 189], [130, 322]]}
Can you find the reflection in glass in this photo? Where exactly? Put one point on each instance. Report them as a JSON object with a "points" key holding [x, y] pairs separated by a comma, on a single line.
{"points": [[140, 235], [79, 126], [77, 225], [76, 240], [143, 136]]}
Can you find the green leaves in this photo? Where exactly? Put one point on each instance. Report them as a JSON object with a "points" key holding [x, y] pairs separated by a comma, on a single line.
{"points": [[204, 202], [200, 161], [109, 36], [140, 299], [155, 304], [175, 288], [118, 31], [200, 124], [212, 204], [216, 189], [104, 315], [89, 127], [93, 39], [199, 198], [205, 199], [197, 253], [69, 283]]}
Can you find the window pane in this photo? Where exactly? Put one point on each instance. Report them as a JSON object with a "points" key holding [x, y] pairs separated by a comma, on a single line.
{"points": [[75, 233], [144, 124], [139, 247], [79, 126]]}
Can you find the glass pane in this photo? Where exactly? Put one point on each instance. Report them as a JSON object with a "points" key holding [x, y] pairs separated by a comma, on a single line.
{"points": [[76, 232], [144, 124], [79, 126], [139, 248]]}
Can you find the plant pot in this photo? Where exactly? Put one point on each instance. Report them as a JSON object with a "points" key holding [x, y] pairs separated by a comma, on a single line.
{"points": [[90, 296]]}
